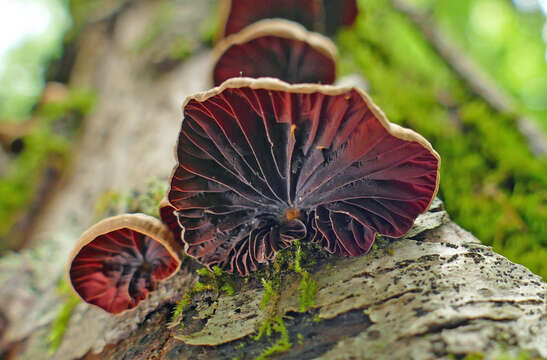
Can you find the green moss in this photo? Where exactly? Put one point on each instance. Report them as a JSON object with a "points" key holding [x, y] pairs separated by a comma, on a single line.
{"points": [[264, 329], [217, 271], [181, 307], [59, 325], [228, 289], [282, 345], [270, 294], [307, 287], [491, 184], [522, 355], [298, 257], [199, 287], [474, 356], [215, 280]]}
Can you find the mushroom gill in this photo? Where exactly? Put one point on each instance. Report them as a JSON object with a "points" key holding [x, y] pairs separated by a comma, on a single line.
{"points": [[262, 163]]}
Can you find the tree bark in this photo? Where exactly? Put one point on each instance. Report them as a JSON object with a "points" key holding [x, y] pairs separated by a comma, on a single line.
{"points": [[436, 293]]}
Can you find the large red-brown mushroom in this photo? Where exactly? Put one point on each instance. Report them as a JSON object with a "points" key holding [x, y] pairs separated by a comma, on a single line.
{"points": [[120, 260], [262, 163], [317, 15], [276, 48]]}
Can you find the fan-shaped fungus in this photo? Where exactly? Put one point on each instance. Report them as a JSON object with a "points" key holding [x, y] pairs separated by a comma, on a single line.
{"points": [[325, 16], [118, 261], [262, 163], [276, 48]]}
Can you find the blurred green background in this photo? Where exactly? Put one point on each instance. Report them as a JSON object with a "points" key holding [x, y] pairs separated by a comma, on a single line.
{"points": [[508, 38], [491, 183]]}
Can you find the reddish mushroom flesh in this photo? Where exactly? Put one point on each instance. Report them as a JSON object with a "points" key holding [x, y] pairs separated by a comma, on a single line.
{"points": [[120, 260], [339, 13], [241, 13], [262, 163], [276, 48], [324, 16], [168, 217]]}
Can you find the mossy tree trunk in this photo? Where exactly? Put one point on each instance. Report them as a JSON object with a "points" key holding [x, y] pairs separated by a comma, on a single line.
{"points": [[435, 294]]}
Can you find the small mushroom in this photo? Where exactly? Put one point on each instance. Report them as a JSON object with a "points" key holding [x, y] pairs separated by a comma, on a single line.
{"points": [[262, 163], [276, 48], [237, 14], [120, 260], [324, 16]]}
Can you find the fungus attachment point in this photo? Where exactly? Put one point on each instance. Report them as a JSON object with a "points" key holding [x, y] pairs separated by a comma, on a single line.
{"points": [[276, 48], [120, 260], [292, 214], [345, 175]]}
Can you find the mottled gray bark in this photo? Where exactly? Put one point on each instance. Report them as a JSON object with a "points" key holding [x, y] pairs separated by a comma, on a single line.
{"points": [[435, 293]]}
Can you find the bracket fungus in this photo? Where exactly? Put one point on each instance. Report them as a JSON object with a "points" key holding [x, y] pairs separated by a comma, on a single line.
{"points": [[319, 15], [276, 48], [120, 260], [262, 163]]}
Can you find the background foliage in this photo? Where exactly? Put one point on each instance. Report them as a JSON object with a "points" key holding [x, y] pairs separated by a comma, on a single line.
{"points": [[491, 184]]}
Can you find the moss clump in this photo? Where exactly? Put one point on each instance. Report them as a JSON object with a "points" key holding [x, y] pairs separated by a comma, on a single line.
{"points": [[217, 280], [269, 305], [491, 184], [522, 355], [270, 295], [474, 356], [283, 344], [214, 280], [59, 325], [181, 306], [307, 287]]}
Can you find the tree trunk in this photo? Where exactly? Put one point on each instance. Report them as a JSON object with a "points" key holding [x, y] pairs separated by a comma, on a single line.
{"points": [[436, 293]]}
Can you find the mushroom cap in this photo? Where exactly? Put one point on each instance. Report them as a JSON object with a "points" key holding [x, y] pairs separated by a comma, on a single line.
{"points": [[278, 48], [118, 261], [339, 13], [237, 14], [324, 16], [262, 163]]}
